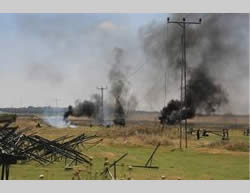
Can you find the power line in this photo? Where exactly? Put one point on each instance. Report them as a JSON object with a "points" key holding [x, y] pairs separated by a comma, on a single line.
{"points": [[143, 64], [137, 70]]}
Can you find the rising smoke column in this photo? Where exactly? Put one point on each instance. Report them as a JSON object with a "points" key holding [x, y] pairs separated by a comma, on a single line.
{"points": [[213, 47], [119, 90], [131, 104], [118, 82], [203, 93], [120, 102], [87, 108]]}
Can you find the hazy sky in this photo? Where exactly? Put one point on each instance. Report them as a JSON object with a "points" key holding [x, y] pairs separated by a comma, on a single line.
{"points": [[66, 56]]}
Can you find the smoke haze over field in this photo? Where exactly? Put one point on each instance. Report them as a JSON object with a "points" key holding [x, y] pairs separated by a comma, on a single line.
{"points": [[66, 56], [118, 81], [216, 49]]}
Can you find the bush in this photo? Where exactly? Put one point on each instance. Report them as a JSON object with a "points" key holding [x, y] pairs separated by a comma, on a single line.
{"points": [[244, 147], [154, 139], [240, 146]]}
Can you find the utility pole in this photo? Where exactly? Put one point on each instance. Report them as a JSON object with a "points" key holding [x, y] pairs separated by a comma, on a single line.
{"points": [[56, 101], [183, 24], [102, 108], [181, 94]]}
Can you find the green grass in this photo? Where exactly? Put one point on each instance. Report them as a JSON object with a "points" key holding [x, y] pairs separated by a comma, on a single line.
{"points": [[187, 164], [207, 158]]}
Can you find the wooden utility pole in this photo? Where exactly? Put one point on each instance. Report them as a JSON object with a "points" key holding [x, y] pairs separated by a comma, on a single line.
{"points": [[183, 24], [102, 103]]}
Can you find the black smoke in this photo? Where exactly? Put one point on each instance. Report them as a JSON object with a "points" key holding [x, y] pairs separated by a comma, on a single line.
{"points": [[167, 112], [203, 93], [119, 103], [119, 114], [212, 47], [174, 112], [68, 113], [119, 85], [87, 108]]}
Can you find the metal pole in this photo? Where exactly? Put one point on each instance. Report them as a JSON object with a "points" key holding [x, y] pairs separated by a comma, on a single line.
{"points": [[151, 156], [3, 168], [102, 104], [56, 107], [115, 171], [7, 172], [182, 24], [185, 76], [181, 97]]}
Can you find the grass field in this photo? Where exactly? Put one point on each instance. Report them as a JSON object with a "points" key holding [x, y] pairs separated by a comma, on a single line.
{"points": [[188, 164], [206, 159]]}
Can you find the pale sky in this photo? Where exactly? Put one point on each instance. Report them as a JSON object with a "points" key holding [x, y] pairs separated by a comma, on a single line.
{"points": [[64, 56], [44, 57]]}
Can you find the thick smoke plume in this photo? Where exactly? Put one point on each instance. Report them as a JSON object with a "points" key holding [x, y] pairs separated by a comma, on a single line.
{"points": [[203, 93], [118, 104], [212, 48], [200, 98], [117, 77], [118, 84], [87, 108], [174, 112]]}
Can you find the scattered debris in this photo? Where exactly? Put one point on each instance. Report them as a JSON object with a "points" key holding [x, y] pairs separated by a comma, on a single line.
{"points": [[16, 145], [107, 167], [150, 160], [223, 133]]}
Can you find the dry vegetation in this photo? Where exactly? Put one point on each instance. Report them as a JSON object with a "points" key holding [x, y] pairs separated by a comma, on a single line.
{"points": [[207, 158], [143, 132]]}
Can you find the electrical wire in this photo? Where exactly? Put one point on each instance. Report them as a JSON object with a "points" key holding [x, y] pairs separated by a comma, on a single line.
{"points": [[137, 70]]}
